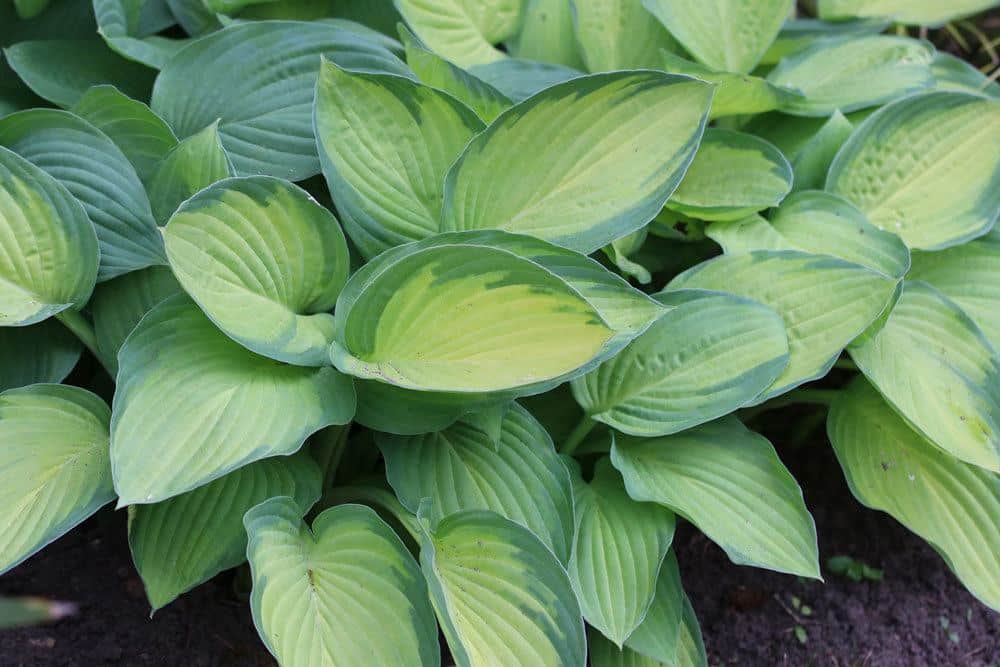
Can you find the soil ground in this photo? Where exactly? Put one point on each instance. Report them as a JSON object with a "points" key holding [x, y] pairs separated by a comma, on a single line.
{"points": [[748, 616]]}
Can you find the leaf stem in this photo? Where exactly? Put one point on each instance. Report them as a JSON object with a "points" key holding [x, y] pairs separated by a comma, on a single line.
{"points": [[372, 495], [577, 435], [822, 397], [82, 329]]}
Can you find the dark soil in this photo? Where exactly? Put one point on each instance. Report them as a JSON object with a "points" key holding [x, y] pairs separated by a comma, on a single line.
{"points": [[748, 616]]}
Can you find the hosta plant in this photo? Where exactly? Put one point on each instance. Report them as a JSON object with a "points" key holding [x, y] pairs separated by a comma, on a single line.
{"points": [[442, 314]]}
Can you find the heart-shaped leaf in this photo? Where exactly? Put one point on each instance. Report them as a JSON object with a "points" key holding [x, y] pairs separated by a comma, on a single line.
{"points": [[193, 164], [950, 504], [541, 167], [192, 405], [54, 470], [846, 74], [461, 468], [265, 262], [825, 302], [386, 170], [618, 548], [709, 355], [618, 35], [185, 541], [58, 269], [937, 369], [258, 79], [463, 31], [501, 596], [729, 482], [346, 591], [98, 174], [945, 198], [726, 35], [43, 352], [733, 175]]}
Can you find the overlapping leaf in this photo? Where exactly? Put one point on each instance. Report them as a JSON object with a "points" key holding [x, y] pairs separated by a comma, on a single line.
{"points": [[43, 352], [463, 31], [193, 164], [618, 34]]}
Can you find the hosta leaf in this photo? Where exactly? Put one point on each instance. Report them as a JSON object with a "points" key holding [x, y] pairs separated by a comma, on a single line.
{"points": [[736, 93], [604, 653], [194, 16], [825, 302], [193, 164], [520, 79], [912, 12], [658, 636], [547, 34], [690, 646], [54, 469], [461, 468], [644, 126], [61, 71], [820, 223], [969, 275], [952, 73], [618, 548], [937, 369], [386, 170], [501, 596], [98, 174], [183, 542], [139, 133], [463, 31], [728, 482], [128, 27], [917, 168], [43, 352], [733, 175], [257, 79], [265, 262], [618, 34], [439, 73], [391, 409], [726, 35], [119, 304], [709, 355], [798, 33], [846, 74], [346, 592], [192, 405], [950, 504], [456, 317], [48, 244]]}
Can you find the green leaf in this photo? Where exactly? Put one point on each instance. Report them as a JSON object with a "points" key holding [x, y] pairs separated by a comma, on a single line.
{"points": [[950, 504], [257, 79], [468, 318], [798, 33], [726, 35], [846, 74], [618, 34], [437, 72], [917, 168], [345, 592], [709, 355], [463, 31], [61, 70], [129, 26], [194, 16], [501, 596], [520, 79], [461, 468], [174, 430], [937, 369], [618, 252], [54, 469], [969, 275], [193, 164], [603, 653], [733, 175], [265, 262], [391, 409], [618, 548], [690, 646], [119, 304], [547, 34], [98, 174], [386, 170], [910, 12], [735, 94], [729, 482], [185, 541], [819, 223], [951, 73], [825, 302], [139, 133], [574, 134], [57, 271], [658, 636], [43, 352]]}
